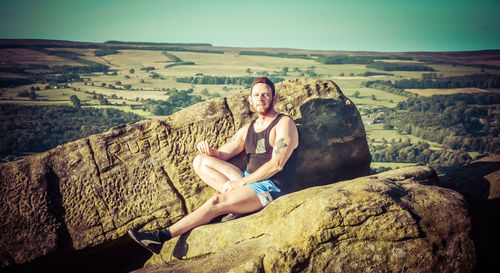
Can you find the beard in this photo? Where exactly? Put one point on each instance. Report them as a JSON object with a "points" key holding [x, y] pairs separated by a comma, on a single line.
{"points": [[264, 109]]}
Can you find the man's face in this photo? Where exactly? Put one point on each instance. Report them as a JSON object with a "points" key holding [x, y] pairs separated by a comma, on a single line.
{"points": [[261, 100]]}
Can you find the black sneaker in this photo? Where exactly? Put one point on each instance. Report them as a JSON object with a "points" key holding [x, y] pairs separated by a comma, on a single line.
{"points": [[150, 239]]}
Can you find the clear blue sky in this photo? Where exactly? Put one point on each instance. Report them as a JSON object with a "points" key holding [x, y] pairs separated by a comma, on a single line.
{"points": [[368, 25]]}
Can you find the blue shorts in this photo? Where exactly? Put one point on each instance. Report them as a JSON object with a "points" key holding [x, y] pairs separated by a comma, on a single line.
{"points": [[265, 190]]}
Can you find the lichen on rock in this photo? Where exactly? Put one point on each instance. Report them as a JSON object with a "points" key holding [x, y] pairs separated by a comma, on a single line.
{"points": [[90, 192], [392, 222]]}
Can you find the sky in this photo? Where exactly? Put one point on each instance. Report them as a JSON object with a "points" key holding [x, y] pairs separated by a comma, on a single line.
{"points": [[352, 25]]}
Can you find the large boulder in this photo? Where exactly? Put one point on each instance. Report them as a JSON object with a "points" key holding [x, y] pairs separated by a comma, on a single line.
{"points": [[396, 221], [87, 193]]}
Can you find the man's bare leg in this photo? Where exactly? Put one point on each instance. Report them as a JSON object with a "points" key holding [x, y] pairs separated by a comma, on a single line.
{"points": [[215, 172], [241, 200]]}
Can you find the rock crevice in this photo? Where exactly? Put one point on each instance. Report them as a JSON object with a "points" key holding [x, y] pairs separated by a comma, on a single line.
{"points": [[80, 198], [381, 234]]}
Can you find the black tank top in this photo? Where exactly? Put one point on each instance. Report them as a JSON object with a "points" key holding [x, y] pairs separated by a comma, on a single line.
{"points": [[259, 151]]}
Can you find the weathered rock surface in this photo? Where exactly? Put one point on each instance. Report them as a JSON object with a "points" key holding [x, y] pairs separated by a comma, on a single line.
{"points": [[91, 191], [391, 222]]}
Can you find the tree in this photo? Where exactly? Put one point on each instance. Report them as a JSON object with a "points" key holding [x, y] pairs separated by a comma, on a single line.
{"points": [[285, 70], [131, 71], [33, 95], [373, 97], [103, 101], [24, 93], [356, 94], [154, 75], [205, 92], [75, 100], [310, 71], [249, 71]]}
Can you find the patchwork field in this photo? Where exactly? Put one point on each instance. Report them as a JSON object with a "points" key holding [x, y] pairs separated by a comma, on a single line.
{"points": [[127, 83]]}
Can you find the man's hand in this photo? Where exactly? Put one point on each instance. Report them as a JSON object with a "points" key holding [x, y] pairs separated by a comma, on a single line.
{"points": [[205, 149]]}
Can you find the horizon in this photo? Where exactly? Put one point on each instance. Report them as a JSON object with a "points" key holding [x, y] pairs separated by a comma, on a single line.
{"points": [[245, 47], [385, 26]]}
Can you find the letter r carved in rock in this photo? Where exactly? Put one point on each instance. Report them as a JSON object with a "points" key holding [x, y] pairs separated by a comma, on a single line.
{"points": [[112, 151]]}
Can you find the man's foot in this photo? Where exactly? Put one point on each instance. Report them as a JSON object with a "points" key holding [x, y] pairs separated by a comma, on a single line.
{"points": [[150, 239]]}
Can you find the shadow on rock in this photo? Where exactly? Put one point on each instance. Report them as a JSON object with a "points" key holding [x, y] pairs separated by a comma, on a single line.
{"points": [[485, 227], [479, 183], [121, 255], [181, 247]]}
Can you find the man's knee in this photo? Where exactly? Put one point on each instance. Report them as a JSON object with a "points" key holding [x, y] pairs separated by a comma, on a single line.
{"points": [[217, 202], [200, 160], [214, 200]]}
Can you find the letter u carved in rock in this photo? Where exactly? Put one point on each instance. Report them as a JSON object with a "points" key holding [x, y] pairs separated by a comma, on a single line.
{"points": [[133, 146]]}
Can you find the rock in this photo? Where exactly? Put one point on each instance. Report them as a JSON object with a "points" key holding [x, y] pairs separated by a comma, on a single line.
{"points": [[88, 193], [391, 222], [479, 183]]}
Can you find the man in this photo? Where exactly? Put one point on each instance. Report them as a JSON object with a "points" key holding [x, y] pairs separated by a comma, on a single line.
{"points": [[269, 142]]}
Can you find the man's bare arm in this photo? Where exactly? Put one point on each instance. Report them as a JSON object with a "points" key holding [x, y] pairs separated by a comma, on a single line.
{"points": [[287, 139], [233, 147]]}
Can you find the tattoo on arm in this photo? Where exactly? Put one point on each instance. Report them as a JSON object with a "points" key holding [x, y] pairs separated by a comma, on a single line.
{"points": [[279, 145]]}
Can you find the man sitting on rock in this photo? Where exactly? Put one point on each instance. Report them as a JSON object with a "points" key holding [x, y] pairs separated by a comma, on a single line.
{"points": [[269, 142]]}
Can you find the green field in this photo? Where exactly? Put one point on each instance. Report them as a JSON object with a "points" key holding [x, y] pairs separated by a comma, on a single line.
{"points": [[229, 64], [377, 133], [38, 102]]}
